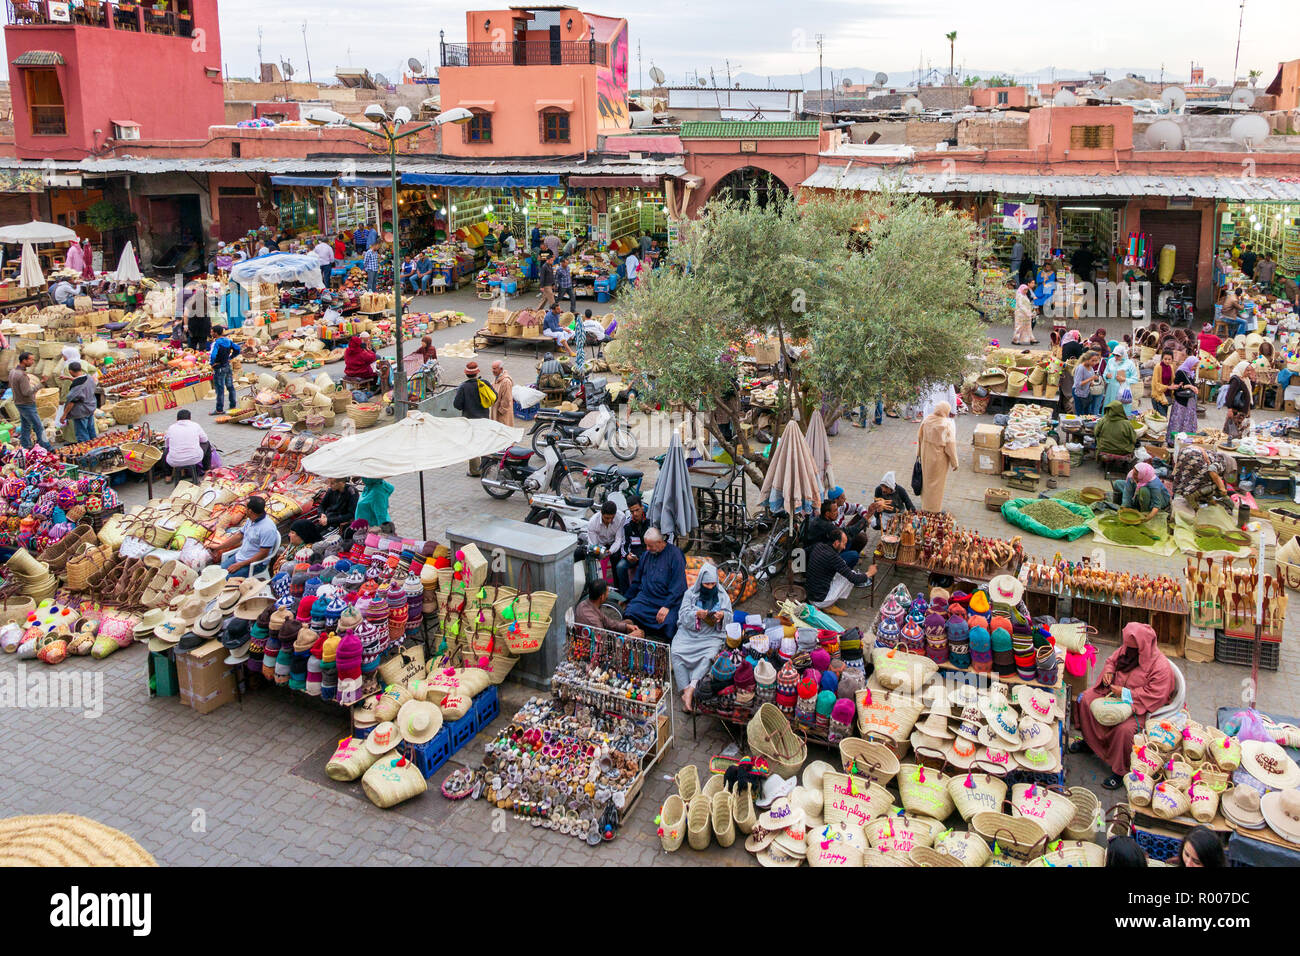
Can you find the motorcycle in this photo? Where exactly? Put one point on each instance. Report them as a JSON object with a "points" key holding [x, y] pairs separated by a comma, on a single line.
{"points": [[595, 428], [513, 472], [606, 480]]}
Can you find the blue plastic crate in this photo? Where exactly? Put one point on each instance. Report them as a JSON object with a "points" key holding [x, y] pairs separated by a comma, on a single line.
{"points": [[511, 286], [1158, 846], [486, 707], [526, 414], [429, 756], [461, 731]]}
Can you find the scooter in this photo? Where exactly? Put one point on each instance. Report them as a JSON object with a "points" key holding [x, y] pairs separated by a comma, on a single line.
{"points": [[596, 428], [512, 472], [604, 481]]}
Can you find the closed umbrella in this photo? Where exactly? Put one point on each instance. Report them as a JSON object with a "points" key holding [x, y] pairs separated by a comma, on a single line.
{"points": [[416, 443], [791, 483], [672, 507], [30, 275], [819, 447], [128, 270]]}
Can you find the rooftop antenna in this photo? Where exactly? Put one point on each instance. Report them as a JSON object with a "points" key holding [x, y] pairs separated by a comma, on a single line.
{"points": [[259, 54], [821, 38], [640, 80], [306, 51], [1241, 18]]}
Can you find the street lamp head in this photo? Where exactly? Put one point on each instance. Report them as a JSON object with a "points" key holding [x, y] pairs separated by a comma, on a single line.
{"points": [[376, 113], [401, 115], [324, 117], [457, 115]]}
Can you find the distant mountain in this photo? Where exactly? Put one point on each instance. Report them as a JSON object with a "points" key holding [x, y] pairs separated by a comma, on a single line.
{"points": [[898, 78]]}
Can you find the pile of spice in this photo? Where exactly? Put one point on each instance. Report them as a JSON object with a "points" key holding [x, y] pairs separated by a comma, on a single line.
{"points": [[1052, 514], [1131, 535]]}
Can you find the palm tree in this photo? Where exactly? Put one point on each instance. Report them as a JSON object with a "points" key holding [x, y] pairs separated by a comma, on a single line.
{"points": [[1254, 77], [952, 54]]}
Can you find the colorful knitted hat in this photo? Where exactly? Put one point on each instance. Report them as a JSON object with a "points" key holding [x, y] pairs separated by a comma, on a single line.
{"points": [[981, 642], [787, 679], [825, 703], [348, 657], [842, 711], [808, 686], [821, 660]]}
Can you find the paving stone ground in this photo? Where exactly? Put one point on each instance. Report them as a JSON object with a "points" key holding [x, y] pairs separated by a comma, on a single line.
{"points": [[245, 785]]}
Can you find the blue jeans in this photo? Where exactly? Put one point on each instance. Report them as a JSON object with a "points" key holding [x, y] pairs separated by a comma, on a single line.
{"points": [[223, 380], [230, 558], [31, 427], [372, 278], [850, 557], [623, 575], [84, 428]]}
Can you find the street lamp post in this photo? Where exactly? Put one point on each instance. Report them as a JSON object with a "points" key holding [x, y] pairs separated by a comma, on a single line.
{"points": [[392, 130]]}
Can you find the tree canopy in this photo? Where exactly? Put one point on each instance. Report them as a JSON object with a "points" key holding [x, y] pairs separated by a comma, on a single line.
{"points": [[878, 286]]}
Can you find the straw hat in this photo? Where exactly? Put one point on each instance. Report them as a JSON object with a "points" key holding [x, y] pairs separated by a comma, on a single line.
{"points": [[1241, 805], [383, 738], [792, 838], [158, 646], [809, 804], [813, 774], [968, 724], [152, 618], [1003, 721], [1281, 810], [774, 787], [1268, 763], [64, 839], [209, 623], [418, 721], [759, 839], [774, 855], [1005, 589], [251, 605], [936, 722], [961, 752], [1039, 759], [1034, 733], [1040, 704], [228, 597], [210, 581], [780, 815], [169, 631], [996, 756]]}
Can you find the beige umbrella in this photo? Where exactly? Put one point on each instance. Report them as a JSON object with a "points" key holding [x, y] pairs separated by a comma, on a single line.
{"points": [[819, 447], [792, 483], [30, 275]]}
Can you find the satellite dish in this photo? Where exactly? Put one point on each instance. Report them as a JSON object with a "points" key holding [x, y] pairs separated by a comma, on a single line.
{"points": [[702, 81], [1165, 134], [286, 67], [1242, 95], [657, 75], [1249, 130], [912, 106], [381, 80], [415, 65], [1211, 82], [882, 78], [1173, 98], [846, 83], [1064, 98]]}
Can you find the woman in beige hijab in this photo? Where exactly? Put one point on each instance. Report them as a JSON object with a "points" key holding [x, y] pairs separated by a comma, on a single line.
{"points": [[936, 444]]}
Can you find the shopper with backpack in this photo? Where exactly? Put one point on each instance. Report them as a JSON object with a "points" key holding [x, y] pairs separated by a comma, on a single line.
{"points": [[223, 376], [474, 399]]}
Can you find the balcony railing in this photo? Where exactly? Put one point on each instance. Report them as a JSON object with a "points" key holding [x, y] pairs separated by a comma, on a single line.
{"points": [[133, 17], [525, 53], [49, 121]]}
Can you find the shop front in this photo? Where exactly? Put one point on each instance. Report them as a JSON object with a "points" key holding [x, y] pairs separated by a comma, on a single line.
{"points": [[1270, 228]]}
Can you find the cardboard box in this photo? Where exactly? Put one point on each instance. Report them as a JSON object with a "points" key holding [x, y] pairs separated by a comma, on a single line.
{"points": [[987, 461], [987, 436], [1058, 462], [205, 680]]}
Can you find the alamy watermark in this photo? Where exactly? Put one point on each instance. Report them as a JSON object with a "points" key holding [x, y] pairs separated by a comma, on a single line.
{"points": [[64, 689], [1099, 300]]}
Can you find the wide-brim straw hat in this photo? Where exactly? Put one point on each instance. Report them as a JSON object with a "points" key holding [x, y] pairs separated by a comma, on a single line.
{"points": [[419, 721], [783, 813], [64, 839], [813, 774], [1035, 733], [251, 608], [1039, 759], [775, 855], [383, 738], [1281, 810], [170, 631], [759, 839], [935, 723], [962, 752], [1037, 703], [809, 803], [1003, 721], [1241, 805], [152, 618], [995, 741], [209, 623], [210, 582], [1006, 589], [1268, 763]]}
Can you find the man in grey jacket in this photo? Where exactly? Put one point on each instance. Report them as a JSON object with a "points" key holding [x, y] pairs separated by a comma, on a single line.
{"points": [[80, 406], [24, 392]]}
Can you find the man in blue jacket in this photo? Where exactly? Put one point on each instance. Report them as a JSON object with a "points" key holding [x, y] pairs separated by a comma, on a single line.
{"points": [[223, 376], [655, 596]]}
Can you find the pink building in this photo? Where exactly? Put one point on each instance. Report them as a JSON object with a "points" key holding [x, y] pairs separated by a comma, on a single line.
{"points": [[541, 81], [994, 97]]}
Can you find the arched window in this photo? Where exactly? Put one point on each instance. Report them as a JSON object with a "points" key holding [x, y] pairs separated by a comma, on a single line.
{"points": [[554, 125], [479, 129]]}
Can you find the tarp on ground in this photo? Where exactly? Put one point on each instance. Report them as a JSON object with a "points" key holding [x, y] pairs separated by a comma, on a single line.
{"points": [[1011, 511], [1162, 539], [1185, 534]]}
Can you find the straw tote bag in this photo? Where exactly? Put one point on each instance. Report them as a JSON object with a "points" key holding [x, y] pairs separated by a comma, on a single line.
{"points": [[891, 716], [852, 801], [770, 736], [962, 845], [976, 792], [868, 759], [1204, 800], [1017, 839], [1138, 786], [1072, 853], [672, 823], [351, 759], [898, 670], [407, 665], [392, 780], [1110, 711], [1050, 807], [1224, 751], [1167, 801], [1087, 814], [924, 790], [898, 834]]}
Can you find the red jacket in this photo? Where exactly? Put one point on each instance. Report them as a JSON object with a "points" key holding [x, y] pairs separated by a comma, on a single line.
{"points": [[358, 361]]}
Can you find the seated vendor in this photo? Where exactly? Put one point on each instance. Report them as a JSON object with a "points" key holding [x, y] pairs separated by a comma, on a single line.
{"points": [[338, 505], [1115, 433], [358, 359], [1197, 476], [828, 579], [655, 595], [1143, 491], [1137, 674], [893, 497], [256, 539], [588, 612], [552, 329], [701, 632]]}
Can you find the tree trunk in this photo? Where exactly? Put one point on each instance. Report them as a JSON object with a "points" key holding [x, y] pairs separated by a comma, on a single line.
{"points": [[751, 466]]}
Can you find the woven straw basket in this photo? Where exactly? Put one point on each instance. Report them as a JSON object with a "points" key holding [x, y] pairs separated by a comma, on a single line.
{"points": [[1049, 807], [770, 736], [962, 845], [363, 414], [672, 823], [1019, 839], [1087, 814], [64, 839], [699, 823], [1072, 853], [924, 791], [869, 760], [929, 856], [975, 792]]}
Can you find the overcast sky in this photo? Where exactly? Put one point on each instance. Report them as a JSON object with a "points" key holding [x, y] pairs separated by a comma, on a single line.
{"points": [[777, 38]]}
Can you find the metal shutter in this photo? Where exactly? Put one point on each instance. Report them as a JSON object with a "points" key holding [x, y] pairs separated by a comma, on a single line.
{"points": [[1179, 228]]}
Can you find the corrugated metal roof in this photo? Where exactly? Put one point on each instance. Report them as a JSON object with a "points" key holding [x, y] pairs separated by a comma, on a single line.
{"points": [[872, 178], [351, 164], [39, 58], [791, 129]]}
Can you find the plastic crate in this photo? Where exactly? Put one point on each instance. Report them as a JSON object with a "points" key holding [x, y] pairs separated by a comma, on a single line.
{"points": [[526, 414], [431, 755], [461, 731], [1158, 846], [487, 706], [162, 675], [1034, 777], [1238, 650]]}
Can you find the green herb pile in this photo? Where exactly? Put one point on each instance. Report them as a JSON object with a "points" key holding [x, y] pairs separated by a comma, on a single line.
{"points": [[1052, 514], [1072, 495], [1134, 536]]}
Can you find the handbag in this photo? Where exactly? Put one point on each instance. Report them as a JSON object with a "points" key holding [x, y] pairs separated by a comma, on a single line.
{"points": [[1110, 711], [403, 667], [918, 478]]}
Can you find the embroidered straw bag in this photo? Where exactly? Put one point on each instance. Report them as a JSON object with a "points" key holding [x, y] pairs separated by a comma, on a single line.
{"points": [[392, 780], [1138, 786], [929, 856], [1072, 853], [351, 759], [962, 845], [852, 801], [898, 834], [1203, 800], [1167, 801], [1048, 806], [975, 792], [924, 791], [891, 716], [1020, 839], [898, 670], [672, 823], [872, 761]]}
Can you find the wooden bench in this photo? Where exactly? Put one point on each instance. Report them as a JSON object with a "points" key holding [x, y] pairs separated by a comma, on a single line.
{"points": [[483, 339]]}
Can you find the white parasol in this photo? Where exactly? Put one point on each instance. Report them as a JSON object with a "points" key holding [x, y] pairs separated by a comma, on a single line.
{"points": [[38, 232], [30, 275], [128, 270]]}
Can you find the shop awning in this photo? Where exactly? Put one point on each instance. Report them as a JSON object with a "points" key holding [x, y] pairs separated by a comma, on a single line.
{"points": [[618, 181], [302, 180], [490, 182], [366, 182]]}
